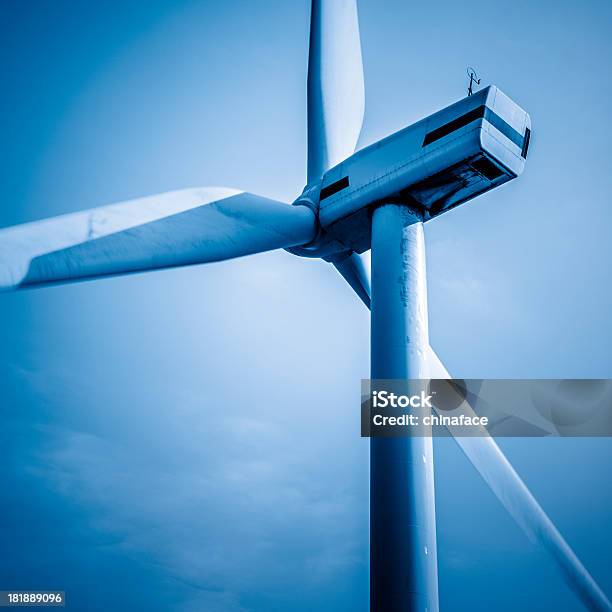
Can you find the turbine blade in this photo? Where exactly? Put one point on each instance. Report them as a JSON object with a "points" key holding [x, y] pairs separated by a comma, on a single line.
{"points": [[499, 475], [336, 95], [356, 274], [511, 491], [178, 228]]}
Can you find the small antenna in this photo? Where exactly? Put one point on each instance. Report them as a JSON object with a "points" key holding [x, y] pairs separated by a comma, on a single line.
{"points": [[473, 79]]}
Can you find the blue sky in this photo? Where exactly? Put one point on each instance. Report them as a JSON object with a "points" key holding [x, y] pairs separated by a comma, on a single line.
{"points": [[189, 439]]}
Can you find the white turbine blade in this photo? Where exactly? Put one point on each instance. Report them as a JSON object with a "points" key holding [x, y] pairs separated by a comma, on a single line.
{"points": [[356, 275], [507, 486], [336, 95], [178, 228]]}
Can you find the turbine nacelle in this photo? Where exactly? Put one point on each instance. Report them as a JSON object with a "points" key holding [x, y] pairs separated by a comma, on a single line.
{"points": [[433, 165]]}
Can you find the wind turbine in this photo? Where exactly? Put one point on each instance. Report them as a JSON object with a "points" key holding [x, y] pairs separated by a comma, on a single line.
{"points": [[376, 198]]}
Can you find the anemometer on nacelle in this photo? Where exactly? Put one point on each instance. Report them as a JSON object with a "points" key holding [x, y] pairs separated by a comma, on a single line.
{"points": [[433, 165]]}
